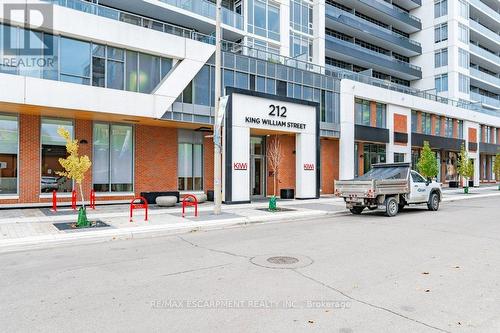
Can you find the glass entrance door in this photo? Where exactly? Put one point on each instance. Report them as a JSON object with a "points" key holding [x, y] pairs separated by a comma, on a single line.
{"points": [[257, 167]]}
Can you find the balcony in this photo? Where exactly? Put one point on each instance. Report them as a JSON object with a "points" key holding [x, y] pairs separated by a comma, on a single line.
{"points": [[491, 79], [494, 58], [394, 12], [360, 27], [482, 30], [478, 4], [207, 9], [486, 100], [350, 52]]}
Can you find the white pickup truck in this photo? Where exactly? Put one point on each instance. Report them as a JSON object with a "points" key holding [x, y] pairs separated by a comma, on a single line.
{"points": [[390, 187]]}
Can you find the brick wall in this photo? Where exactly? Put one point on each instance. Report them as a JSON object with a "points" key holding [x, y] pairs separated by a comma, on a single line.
{"points": [[286, 171], [329, 165], [83, 131], [29, 158], [208, 163], [155, 159]]}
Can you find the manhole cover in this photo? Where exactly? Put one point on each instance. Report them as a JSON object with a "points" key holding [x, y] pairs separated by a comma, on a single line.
{"points": [[283, 260]]}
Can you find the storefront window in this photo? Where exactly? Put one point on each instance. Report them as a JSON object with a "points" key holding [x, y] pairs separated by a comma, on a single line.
{"points": [[113, 158], [190, 161], [54, 148], [451, 166], [9, 145]]}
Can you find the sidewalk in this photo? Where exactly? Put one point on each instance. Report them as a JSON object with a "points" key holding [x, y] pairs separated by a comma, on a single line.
{"points": [[22, 229]]}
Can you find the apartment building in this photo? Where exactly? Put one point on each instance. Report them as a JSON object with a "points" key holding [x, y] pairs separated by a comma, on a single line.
{"points": [[341, 84]]}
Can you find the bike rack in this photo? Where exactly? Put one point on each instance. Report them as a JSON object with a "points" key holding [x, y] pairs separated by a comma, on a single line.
{"points": [[189, 203], [142, 204], [92, 199], [54, 201], [73, 200]]}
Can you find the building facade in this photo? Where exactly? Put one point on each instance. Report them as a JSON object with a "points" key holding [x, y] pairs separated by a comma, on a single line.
{"points": [[340, 84]]}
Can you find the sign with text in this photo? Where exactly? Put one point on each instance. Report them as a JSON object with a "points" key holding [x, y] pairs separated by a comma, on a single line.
{"points": [[309, 166], [240, 166], [283, 116]]}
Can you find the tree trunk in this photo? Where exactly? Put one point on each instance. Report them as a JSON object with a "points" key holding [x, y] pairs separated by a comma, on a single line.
{"points": [[81, 193]]}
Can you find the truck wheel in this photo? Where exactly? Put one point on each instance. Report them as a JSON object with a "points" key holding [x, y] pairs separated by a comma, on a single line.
{"points": [[391, 207], [357, 210], [433, 203]]}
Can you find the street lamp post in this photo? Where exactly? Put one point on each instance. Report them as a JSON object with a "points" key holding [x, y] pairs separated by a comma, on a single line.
{"points": [[217, 127]]}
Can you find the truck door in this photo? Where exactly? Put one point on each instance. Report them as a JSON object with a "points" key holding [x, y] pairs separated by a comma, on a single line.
{"points": [[418, 191]]}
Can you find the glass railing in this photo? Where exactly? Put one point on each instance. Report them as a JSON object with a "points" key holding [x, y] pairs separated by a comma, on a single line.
{"points": [[485, 99], [485, 77], [485, 8], [484, 31], [484, 53], [227, 46], [335, 11], [208, 9], [363, 49], [126, 17], [413, 17]]}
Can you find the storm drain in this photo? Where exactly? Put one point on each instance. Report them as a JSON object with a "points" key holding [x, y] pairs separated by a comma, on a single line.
{"points": [[282, 261]]}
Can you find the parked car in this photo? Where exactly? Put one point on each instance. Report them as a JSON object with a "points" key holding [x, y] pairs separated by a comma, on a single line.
{"points": [[49, 183], [390, 187]]}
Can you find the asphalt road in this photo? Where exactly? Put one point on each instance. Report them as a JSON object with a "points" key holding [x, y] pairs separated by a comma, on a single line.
{"points": [[418, 272]]}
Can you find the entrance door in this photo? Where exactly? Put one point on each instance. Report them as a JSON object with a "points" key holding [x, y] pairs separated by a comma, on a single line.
{"points": [[257, 167]]}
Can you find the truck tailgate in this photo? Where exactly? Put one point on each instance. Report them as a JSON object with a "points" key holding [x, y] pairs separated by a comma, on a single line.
{"points": [[356, 188]]}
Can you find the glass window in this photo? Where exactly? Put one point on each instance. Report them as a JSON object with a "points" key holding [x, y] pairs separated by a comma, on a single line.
{"points": [[440, 8], [8, 64], [271, 86], [463, 83], [417, 178], [54, 148], [98, 65], [464, 9], [131, 75], [463, 33], [441, 33], [381, 112], [399, 157], [241, 80], [437, 126], [201, 86], [190, 167], [9, 146], [113, 158], [426, 123], [75, 61], [441, 82], [149, 73], [414, 121], [463, 58], [301, 16], [115, 74], [51, 57], [362, 112], [260, 84], [441, 58]]}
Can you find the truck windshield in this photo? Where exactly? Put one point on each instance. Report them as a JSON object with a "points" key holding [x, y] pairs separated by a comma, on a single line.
{"points": [[385, 173]]}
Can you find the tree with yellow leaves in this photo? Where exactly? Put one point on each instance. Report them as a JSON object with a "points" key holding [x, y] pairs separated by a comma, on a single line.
{"points": [[75, 167]]}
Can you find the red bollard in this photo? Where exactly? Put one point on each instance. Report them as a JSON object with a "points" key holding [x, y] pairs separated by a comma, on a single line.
{"points": [[92, 199], [142, 204], [73, 200], [189, 203], [54, 201]]}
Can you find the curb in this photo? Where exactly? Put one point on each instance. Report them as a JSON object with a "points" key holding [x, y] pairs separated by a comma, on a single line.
{"points": [[100, 236]]}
